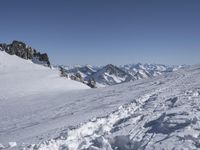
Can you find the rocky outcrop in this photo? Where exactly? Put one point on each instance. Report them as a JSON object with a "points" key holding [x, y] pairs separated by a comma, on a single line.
{"points": [[22, 50], [92, 83]]}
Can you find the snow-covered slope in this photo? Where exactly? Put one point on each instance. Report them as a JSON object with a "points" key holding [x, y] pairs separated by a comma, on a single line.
{"points": [[27, 89], [160, 113], [20, 77], [157, 113]]}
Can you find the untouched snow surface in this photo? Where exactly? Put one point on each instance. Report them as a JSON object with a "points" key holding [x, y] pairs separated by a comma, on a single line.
{"points": [[157, 113]]}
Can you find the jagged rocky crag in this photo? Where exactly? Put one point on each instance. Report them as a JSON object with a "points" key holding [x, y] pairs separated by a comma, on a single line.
{"points": [[26, 52]]}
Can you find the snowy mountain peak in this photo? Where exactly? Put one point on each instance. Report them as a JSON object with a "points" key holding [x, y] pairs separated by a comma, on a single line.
{"points": [[110, 75], [142, 74], [111, 69]]}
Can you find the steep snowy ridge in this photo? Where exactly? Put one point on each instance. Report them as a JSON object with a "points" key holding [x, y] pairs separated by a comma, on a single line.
{"points": [[22, 77]]}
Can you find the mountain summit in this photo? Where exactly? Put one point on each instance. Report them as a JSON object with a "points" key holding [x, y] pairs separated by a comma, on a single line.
{"points": [[110, 75]]}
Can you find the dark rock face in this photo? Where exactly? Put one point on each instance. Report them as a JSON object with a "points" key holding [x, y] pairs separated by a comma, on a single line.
{"points": [[77, 77], [91, 83], [22, 50], [3, 46]]}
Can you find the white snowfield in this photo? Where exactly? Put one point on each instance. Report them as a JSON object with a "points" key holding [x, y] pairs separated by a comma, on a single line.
{"points": [[157, 113]]}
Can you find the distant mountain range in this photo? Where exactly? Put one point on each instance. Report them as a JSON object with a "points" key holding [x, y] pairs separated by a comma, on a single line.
{"points": [[93, 76], [111, 74]]}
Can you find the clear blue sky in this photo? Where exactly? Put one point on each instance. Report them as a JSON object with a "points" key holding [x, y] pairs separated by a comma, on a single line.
{"points": [[106, 31]]}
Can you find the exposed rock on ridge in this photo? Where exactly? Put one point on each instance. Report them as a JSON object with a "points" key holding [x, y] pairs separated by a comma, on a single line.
{"points": [[26, 52]]}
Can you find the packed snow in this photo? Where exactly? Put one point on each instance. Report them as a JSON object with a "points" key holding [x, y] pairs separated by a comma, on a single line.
{"points": [[156, 113]]}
